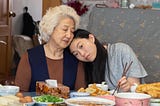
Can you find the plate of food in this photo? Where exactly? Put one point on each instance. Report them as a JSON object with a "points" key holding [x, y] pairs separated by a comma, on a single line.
{"points": [[47, 99], [95, 89]]}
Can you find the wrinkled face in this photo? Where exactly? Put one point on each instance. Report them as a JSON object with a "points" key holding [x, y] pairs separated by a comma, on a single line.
{"points": [[63, 33], [84, 49]]}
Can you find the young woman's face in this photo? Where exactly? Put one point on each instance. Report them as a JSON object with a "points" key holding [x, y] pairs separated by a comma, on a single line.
{"points": [[63, 32], [84, 49]]}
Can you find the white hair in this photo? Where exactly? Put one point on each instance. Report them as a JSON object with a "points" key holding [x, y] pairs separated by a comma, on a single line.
{"points": [[52, 17]]}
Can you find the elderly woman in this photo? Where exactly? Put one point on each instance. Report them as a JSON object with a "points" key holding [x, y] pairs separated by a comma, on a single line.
{"points": [[52, 60]]}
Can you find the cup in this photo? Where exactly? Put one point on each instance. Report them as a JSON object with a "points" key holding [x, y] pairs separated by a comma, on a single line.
{"points": [[51, 82]]}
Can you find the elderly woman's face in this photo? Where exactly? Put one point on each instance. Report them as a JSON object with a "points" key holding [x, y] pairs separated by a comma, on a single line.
{"points": [[63, 32], [84, 49]]}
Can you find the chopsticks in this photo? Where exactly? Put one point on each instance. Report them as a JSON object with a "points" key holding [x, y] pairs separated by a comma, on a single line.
{"points": [[125, 70]]}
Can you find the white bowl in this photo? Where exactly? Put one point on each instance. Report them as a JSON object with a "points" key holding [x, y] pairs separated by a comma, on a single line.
{"points": [[81, 101], [8, 90]]}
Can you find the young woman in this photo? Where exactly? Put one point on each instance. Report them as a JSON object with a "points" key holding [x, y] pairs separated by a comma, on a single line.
{"points": [[106, 64]]}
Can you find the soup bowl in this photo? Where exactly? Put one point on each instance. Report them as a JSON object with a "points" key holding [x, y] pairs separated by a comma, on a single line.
{"points": [[132, 99]]}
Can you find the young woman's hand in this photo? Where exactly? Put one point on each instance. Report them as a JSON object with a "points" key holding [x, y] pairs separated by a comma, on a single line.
{"points": [[126, 83]]}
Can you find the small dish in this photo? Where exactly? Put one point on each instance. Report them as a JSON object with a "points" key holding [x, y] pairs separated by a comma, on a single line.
{"points": [[79, 94]]}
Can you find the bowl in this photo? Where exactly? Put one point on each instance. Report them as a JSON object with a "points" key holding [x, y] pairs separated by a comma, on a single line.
{"points": [[132, 99], [9, 90], [79, 94], [89, 101]]}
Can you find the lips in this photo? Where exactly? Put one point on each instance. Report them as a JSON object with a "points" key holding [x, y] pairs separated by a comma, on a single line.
{"points": [[66, 40], [87, 57]]}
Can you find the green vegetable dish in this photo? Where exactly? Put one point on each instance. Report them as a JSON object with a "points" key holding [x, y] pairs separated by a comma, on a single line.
{"points": [[48, 98]]}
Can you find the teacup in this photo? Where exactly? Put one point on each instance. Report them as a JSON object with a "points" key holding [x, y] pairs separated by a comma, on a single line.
{"points": [[51, 82]]}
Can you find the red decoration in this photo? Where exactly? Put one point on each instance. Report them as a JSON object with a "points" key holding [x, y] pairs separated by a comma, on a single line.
{"points": [[78, 6]]}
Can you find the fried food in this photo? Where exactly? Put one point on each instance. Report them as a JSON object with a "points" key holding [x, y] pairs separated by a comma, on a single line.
{"points": [[152, 89], [93, 90], [19, 94]]}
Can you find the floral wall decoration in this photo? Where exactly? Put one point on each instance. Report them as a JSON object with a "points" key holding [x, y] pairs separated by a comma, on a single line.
{"points": [[79, 6], [84, 7]]}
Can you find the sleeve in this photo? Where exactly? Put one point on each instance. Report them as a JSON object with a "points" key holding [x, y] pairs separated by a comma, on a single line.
{"points": [[23, 74], [136, 70]]}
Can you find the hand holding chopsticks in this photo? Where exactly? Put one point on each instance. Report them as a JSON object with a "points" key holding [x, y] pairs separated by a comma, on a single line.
{"points": [[125, 70]]}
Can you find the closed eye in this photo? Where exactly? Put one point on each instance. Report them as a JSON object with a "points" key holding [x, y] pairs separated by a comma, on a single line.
{"points": [[65, 30]]}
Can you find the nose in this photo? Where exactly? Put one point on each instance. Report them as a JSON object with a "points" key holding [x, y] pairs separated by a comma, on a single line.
{"points": [[82, 53], [69, 34]]}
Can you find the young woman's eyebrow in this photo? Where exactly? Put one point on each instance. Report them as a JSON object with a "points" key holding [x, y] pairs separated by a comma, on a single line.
{"points": [[76, 47], [78, 44]]}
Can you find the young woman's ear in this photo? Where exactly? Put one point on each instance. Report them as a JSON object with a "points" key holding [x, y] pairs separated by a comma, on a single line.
{"points": [[91, 38]]}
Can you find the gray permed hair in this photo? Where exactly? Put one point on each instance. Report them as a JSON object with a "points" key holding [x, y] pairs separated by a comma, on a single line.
{"points": [[51, 19]]}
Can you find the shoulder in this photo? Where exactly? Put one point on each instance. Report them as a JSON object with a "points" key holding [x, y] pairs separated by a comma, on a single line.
{"points": [[36, 48], [120, 47]]}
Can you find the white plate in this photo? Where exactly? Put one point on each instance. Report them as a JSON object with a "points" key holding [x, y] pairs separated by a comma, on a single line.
{"points": [[96, 100], [46, 103]]}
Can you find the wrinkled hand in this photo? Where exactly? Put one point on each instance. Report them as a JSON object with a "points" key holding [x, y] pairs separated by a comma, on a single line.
{"points": [[124, 84]]}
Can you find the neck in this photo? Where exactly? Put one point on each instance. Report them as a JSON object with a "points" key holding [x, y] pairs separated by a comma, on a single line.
{"points": [[53, 52]]}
